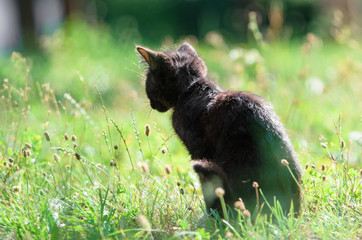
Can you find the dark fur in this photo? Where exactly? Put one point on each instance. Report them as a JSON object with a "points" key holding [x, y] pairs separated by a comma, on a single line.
{"points": [[234, 138]]}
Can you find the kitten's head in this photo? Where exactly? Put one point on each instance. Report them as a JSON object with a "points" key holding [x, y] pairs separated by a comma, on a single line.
{"points": [[170, 73]]}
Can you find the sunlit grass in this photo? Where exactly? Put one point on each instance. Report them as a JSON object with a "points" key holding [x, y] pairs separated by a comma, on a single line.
{"points": [[76, 162]]}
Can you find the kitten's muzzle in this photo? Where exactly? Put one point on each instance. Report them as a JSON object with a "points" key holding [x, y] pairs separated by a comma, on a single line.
{"points": [[159, 107]]}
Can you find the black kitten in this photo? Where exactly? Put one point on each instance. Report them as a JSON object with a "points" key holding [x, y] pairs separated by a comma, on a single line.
{"points": [[234, 138]]}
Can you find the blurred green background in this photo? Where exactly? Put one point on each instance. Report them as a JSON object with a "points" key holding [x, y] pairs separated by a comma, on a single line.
{"points": [[24, 22]]}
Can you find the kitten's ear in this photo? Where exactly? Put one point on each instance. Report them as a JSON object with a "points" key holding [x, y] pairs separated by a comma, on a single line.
{"points": [[186, 47], [152, 58]]}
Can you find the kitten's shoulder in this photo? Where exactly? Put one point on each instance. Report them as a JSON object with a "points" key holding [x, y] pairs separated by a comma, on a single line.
{"points": [[238, 98]]}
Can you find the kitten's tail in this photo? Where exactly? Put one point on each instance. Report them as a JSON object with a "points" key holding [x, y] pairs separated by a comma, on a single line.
{"points": [[211, 177]]}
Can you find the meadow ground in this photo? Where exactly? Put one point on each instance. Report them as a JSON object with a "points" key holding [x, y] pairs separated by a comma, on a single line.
{"points": [[76, 162]]}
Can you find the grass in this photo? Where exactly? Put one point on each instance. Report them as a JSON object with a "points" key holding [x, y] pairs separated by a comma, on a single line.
{"points": [[95, 174]]}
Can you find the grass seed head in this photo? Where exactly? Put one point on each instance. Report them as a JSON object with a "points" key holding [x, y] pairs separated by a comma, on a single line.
{"points": [[246, 213], [324, 145], [75, 145], [307, 166], [284, 162], [11, 160], [219, 192], [47, 136], [168, 169], [10, 165], [182, 192], [239, 205], [323, 167], [164, 150], [16, 188], [143, 221], [66, 137], [28, 145], [343, 144], [56, 157], [28, 153], [23, 151], [113, 163], [324, 177], [77, 156], [229, 235], [73, 138], [147, 130], [16, 167], [115, 147], [144, 167], [255, 185]]}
